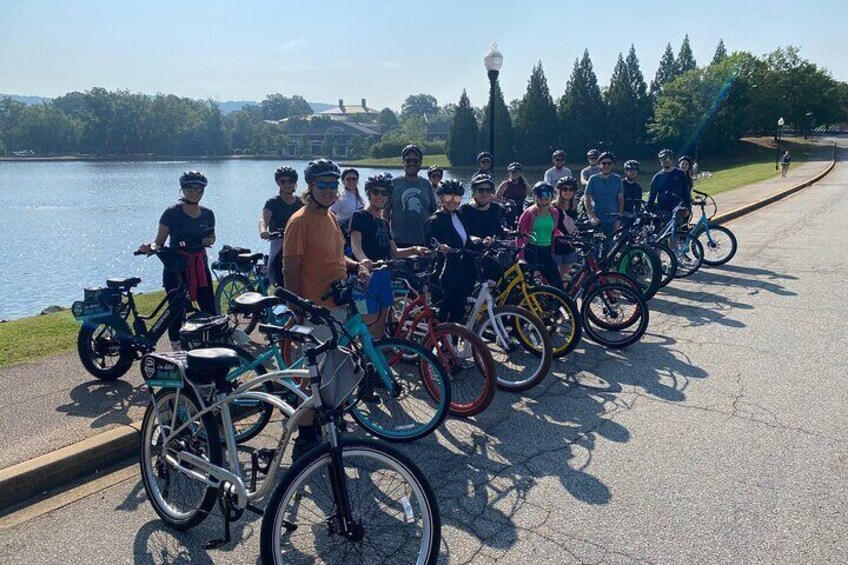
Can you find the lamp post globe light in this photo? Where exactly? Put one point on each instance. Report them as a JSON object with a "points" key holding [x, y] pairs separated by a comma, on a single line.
{"points": [[493, 60], [780, 123]]}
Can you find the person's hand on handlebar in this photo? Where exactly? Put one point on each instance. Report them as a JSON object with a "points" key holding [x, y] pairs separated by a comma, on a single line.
{"points": [[265, 235], [207, 241], [367, 264], [147, 248]]}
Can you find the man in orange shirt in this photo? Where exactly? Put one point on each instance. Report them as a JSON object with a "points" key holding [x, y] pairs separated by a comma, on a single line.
{"points": [[313, 259]]}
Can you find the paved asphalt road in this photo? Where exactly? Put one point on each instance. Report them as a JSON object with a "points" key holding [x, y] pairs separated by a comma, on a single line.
{"points": [[722, 439]]}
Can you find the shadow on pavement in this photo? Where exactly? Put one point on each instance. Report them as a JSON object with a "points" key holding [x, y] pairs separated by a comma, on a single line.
{"points": [[753, 271], [104, 403]]}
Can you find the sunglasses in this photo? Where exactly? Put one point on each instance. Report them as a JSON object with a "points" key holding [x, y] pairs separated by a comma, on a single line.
{"points": [[486, 189], [566, 189], [606, 163], [412, 161], [193, 189], [452, 197], [376, 192], [545, 195], [485, 162], [558, 160], [286, 181], [436, 176], [330, 185]]}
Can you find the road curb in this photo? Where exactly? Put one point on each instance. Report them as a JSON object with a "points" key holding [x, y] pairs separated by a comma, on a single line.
{"points": [[754, 206], [58, 468]]}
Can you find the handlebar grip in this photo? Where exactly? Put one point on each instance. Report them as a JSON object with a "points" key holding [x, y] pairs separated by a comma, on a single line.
{"points": [[139, 253], [291, 297]]}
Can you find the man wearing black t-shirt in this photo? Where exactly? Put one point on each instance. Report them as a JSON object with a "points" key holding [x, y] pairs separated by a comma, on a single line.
{"points": [[275, 215], [670, 186], [481, 216]]}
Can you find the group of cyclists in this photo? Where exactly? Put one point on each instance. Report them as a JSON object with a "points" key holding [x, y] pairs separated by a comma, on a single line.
{"points": [[325, 234]]}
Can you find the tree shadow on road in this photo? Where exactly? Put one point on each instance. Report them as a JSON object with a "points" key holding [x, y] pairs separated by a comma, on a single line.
{"points": [[696, 315], [753, 271], [719, 278], [104, 403]]}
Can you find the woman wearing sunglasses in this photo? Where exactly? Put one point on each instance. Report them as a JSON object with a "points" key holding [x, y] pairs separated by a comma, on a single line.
{"points": [[481, 215], [191, 229], [538, 227]]}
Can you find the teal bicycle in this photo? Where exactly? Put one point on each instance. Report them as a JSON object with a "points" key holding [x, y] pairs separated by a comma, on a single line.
{"points": [[405, 392], [718, 242]]}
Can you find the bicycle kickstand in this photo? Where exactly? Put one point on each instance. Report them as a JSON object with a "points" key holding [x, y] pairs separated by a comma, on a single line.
{"points": [[228, 507]]}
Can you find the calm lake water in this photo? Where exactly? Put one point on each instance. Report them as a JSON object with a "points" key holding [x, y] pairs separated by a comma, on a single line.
{"points": [[68, 225]]}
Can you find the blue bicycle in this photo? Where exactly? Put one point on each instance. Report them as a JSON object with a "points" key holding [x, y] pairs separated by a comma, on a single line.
{"points": [[718, 242]]}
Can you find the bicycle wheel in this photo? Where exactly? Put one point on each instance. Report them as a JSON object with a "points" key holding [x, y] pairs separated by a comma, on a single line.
{"points": [[520, 346], [181, 501], [559, 315], [719, 245], [407, 408], [229, 288], [395, 513], [469, 365], [101, 352], [614, 315], [689, 253], [668, 261], [249, 416], [642, 264]]}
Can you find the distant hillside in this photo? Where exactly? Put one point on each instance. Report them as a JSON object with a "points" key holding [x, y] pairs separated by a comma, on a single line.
{"points": [[226, 107]]}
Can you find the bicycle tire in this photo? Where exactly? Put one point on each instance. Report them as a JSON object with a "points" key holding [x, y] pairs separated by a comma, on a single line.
{"points": [[713, 256], [689, 252], [538, 346], [230, 287], [374, 399], [89, 349], [560, 316], [243, 435], [642, 264], [594, 324], [668, 261], [312, 471], [474, 355], [171, 516]]}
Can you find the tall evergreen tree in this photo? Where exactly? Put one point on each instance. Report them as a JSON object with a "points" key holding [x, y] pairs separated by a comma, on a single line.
{"points": [[536, 122], [620, 104], [665, 73], [685, 60], [504, 134], [461, 146], [641, 99], [720, 53], [581, 109]]}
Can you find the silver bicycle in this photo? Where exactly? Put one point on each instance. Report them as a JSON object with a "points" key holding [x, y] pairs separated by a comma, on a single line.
{"points": [[345, 501]]}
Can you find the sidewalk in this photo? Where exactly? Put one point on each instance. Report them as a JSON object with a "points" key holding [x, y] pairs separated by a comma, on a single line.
{"points": [[53, 403]]}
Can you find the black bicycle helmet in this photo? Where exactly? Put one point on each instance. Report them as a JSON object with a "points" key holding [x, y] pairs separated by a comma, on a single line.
{"points": [[541, 188], [631, 165], [570, 182], [607, 155], [193, 178], [321, 168], [665, 154], [450, 186], [481, 179], [383, 180], [686, 158], [558, 153], [411, 149], [514, 166], [484, 155], [593, 153], [285, 173], [435, 169]]}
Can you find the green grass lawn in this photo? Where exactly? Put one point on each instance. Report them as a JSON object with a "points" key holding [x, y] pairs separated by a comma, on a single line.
{"points": [[27, 339]]}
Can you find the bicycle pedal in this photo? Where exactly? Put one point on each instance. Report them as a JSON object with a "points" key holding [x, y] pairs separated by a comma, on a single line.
{"points": [[264, 458]]}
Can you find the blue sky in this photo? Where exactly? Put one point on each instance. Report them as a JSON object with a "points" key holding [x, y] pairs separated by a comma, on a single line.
{"points": [[381, 51]]}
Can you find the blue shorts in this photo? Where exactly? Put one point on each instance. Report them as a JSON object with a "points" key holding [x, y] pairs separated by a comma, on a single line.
{"points": [[379, 294]]}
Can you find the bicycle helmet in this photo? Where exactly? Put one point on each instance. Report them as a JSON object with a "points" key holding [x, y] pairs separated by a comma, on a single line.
{"points": [[484, 155], [435, 169], [543, 189], [570, 182], [558, 153], [382, 180], [450, 186], [285, 173], [411, 149], [607, 155], [514, 166], [666, 154], [481, 179], [631, 165], [686, 158], [593, 153], [193, 178], [321, 168]]}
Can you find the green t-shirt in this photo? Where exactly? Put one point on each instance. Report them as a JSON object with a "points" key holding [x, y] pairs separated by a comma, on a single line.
{"points": [[541, 234]]}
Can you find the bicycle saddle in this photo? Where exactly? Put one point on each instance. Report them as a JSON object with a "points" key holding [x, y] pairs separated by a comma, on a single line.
{"points": [[251, 302], [210, 365], [123, 283]]}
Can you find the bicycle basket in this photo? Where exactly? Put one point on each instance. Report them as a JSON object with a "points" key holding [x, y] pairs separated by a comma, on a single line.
{"points": [[163, 369], [229, 254], [340, 375], [97, 301], [203, 330]]}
